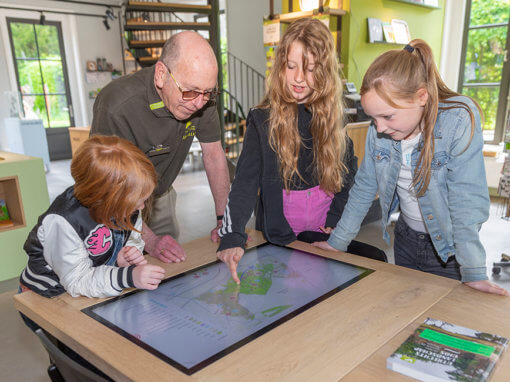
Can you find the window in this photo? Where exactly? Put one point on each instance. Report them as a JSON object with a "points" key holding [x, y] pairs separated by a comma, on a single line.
{"points": [[484, 69], [41, 72]]}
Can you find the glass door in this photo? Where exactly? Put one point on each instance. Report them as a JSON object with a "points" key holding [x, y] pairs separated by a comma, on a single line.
{"points": [[485, 69], [41, 74]]}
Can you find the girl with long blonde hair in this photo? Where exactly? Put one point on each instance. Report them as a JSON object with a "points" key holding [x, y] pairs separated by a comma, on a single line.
{"points": [[295, 151], [424, 155]]}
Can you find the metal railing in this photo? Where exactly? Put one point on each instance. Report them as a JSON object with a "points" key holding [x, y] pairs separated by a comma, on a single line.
{"points": [[243, 88], [235, 123], [243, 82]]}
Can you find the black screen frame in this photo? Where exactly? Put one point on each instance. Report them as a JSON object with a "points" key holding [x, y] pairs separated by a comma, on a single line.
{"points": [[89, 311]]}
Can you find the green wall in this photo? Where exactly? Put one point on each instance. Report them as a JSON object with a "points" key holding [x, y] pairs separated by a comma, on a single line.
{"points": [[357, 54], [35, 199]]}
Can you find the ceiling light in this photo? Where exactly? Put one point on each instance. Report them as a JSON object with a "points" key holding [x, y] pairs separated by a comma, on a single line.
{"points": [[110, 14]]}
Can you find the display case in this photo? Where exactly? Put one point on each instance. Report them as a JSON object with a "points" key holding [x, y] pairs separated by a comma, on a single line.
{"points": [[23, 187], [25, 136]]}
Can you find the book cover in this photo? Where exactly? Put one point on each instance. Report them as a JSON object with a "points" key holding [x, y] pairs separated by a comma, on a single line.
{"points": [[5, 220], [401, 31], [375, 30], [389, 36], [439, 351]]}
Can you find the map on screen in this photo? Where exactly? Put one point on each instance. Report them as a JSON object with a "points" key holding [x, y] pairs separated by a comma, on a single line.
{"points": [[197, 317]]}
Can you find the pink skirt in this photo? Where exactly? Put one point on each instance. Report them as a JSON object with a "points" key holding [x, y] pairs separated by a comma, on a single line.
{"points": [[306, 210]]}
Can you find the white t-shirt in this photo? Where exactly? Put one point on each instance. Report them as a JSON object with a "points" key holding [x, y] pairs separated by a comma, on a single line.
{"points": [[409, 207]]}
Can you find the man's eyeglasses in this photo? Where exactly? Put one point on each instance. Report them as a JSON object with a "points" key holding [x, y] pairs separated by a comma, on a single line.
{"points": [[190, 95]]}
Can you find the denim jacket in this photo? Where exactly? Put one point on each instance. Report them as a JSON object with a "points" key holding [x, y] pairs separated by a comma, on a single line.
{"points": [[456, 202]]}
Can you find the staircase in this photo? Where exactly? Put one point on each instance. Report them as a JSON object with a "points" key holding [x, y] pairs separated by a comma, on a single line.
{"points": [[243, 89]]}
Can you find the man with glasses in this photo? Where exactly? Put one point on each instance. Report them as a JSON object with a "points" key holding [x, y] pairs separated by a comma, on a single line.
{"points": [[161, 109]]}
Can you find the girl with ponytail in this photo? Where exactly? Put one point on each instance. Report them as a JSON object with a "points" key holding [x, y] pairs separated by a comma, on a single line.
{"points": [[424, 155]]}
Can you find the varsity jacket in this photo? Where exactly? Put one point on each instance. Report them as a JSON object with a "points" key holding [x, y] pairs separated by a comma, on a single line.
{"points": [[258, 183], [68, 251]]}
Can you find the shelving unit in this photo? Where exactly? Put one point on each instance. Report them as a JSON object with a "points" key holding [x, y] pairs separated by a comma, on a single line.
{"points": [[148, 24], [23, 186], [293, 16], [385, 43], [417, 4], [10, 192]]}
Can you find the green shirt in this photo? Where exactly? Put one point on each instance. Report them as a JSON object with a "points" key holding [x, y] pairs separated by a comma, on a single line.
{"points": [[130, 107]]}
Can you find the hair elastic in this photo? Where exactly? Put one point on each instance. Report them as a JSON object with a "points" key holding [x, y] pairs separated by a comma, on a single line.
{"points": [[409, 48]]}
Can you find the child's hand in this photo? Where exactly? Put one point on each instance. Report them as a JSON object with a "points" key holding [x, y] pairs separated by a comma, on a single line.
{"points": [[130, 256], [487, 287], [231, 257], [327, 230], [148, 276], [324, 245]]}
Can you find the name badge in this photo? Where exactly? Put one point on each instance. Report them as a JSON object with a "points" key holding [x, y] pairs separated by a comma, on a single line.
{"points": [[158, 150]]}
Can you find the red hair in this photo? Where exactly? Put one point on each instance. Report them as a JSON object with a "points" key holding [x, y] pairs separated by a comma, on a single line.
{"points": [[111, 176]]}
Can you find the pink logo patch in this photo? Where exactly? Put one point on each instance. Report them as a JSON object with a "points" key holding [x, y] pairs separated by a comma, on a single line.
{"points": [[99, 241]]}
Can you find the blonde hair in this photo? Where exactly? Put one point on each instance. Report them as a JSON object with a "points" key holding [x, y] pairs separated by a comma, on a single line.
{"points": [[326, 127], [111, 176], [399, 75]]}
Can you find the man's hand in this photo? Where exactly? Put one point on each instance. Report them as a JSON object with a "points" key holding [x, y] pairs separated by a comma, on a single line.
{"points": [[487, 287], [324, 245], [130, 256], [231, 257], [148, 276], [164, 248], [214, 233]]}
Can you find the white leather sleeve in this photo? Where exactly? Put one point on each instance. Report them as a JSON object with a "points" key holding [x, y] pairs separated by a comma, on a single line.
{"points": [[66, 254]]}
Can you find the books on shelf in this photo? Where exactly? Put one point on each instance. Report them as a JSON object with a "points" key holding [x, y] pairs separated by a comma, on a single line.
{"points": [[505, 171], [440, 351], [401, 31], [375, 30], [5, 220], [389, 36], [504, 186]]}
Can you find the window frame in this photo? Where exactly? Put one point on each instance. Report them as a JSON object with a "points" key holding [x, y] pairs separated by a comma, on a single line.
{"points": [[504, 85], [67, 94]]}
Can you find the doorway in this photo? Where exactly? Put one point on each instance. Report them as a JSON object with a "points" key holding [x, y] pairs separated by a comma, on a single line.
{"points": [[41, 74]]}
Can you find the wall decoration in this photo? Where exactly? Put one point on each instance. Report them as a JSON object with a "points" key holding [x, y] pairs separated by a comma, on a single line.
{"points": [[401, 31], [375, 30]]}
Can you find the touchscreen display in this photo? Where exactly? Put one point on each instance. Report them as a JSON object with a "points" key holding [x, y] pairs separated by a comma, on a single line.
{"points": [[199, 316]]}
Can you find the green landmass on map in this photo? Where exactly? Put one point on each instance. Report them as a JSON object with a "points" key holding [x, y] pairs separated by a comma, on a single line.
{"points": [[253, 281], [228, 303]]}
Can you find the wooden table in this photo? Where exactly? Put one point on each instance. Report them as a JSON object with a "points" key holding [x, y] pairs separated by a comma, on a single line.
{"points": [[462, 306], [324, 343]]}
